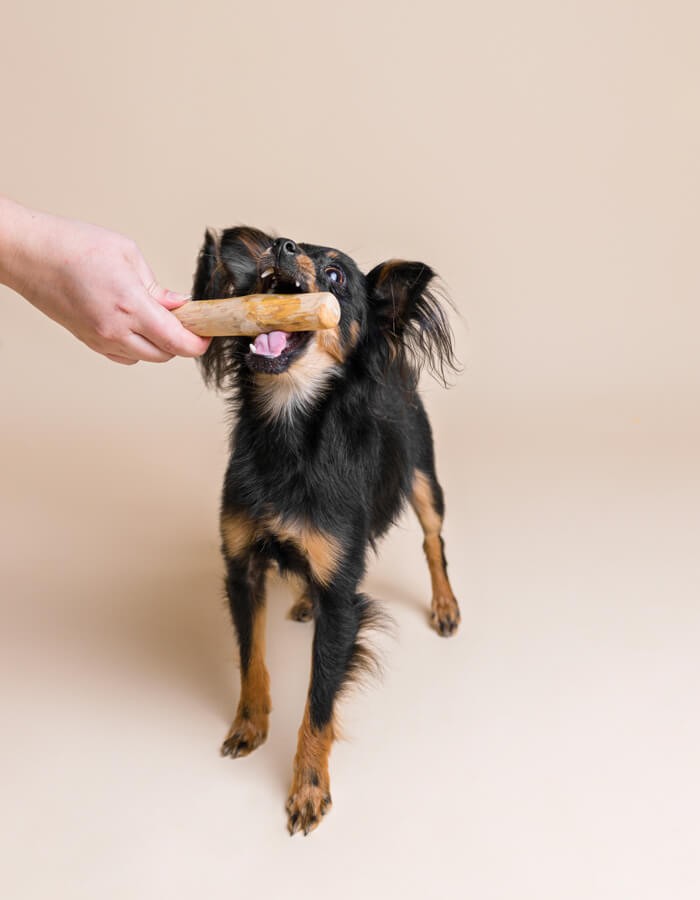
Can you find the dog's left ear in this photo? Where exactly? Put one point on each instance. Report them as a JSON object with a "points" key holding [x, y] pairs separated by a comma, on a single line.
{"points": [[408, 311]]}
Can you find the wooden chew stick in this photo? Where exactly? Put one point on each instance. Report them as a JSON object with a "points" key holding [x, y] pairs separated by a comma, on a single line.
{"points": [[258, 313]]}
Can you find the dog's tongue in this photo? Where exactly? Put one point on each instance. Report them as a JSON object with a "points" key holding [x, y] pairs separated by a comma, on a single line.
{"points": [[271, 344]]}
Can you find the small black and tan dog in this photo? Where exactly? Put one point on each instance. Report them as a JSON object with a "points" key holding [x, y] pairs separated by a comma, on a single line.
{"points": [[331, 439]]}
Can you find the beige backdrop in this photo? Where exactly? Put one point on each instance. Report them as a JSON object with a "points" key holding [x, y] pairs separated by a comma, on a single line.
{"points": [[543, 157]]}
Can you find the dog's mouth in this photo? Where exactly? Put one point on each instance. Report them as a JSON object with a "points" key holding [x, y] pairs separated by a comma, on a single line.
{"points": [[273, 352]]}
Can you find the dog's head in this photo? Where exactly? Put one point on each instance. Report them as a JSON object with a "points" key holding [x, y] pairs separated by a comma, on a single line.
{"points": [[391, 315]]}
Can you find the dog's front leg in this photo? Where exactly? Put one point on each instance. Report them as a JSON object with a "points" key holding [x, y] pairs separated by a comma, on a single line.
{"points": [[336, 654], [245, 586]]}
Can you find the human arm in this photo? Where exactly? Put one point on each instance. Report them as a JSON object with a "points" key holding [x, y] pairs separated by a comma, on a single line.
{"points": [[94, 282]]}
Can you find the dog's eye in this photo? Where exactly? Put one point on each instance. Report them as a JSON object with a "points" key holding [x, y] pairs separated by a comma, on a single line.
{"points": [[336, 275]]}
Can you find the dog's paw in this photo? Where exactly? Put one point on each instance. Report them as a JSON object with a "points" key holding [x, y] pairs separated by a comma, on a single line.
{"points": [[302, 610], [245, 735], [306, 806], [444, 615]]}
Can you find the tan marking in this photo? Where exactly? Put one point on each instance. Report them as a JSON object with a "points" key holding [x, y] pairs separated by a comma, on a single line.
{"points": [[237, 532], [313, 746], [300, 386], [255, 686], [444, 606], [321, 550], [309, 795], [249, 728], [424, 504], [330, 341], [442, 591], [324, 554], [308, 270], [354, 333]]}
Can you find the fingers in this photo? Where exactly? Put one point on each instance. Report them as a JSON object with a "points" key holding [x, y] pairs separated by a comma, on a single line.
{"points": [[136, 348], [141, 348], [156, 335], [144, 330], [122, 360], [163, 330], [168, 299]]}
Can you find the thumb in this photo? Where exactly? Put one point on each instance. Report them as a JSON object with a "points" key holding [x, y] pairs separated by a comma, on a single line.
{"points": [[168, 299]]}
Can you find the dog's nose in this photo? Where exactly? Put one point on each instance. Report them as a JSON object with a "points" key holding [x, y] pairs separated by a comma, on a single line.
{"points": [[284, 248]]}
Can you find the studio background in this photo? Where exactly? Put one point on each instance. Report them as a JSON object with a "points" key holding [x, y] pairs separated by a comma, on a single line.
{"points": [[543, 158]]}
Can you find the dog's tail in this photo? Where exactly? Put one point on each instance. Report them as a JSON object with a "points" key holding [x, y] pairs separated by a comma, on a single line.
{"points": [[365, 661]]}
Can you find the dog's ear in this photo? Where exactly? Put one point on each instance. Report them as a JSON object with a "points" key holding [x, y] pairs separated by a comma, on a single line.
{"points": [[211, 282], [408, 311], [209, 277], [240, 251], [227, 265]]}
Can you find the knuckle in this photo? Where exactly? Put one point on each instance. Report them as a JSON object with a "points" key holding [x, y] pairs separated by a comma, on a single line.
{"points": [[106, 332], [127, 303], [122, 304], [169, 347]]}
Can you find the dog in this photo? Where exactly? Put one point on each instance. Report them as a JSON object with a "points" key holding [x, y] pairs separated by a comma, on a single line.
{"points": [[330, 441]]}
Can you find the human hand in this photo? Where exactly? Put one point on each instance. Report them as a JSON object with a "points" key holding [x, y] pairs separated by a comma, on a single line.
{"points": [[95, 283]]}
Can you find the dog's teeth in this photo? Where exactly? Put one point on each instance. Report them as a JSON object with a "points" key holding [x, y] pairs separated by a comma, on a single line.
{"points": [[267, 272], [252, 348], [297, 284]]}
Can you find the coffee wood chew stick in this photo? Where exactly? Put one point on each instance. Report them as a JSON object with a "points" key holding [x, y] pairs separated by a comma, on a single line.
{"points": [[259, 313]]}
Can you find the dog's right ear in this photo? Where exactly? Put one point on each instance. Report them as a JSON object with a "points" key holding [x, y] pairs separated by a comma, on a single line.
{"points": [[227, 266], [210, 282], [243, 252], [210, 277], [229, 263]]}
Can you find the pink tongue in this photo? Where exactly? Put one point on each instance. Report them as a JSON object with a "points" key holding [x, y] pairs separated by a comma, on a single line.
{"points": [[271, 344]]}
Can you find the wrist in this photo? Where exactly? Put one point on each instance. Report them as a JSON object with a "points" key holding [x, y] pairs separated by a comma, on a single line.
{"points": [[12, 228], [20, 233]]}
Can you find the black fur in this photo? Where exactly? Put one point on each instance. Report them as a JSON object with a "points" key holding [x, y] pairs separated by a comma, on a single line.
{"points": [[344, 463]]}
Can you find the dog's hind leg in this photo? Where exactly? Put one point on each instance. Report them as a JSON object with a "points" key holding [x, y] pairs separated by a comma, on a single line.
{"points": [[302, 610], [427, 501], [245, 587]]}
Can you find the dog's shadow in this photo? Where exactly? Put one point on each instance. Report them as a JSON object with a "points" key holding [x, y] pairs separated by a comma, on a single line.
{"points": [[173, 630], [171, 623], [159, 616], [169, 629]]}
